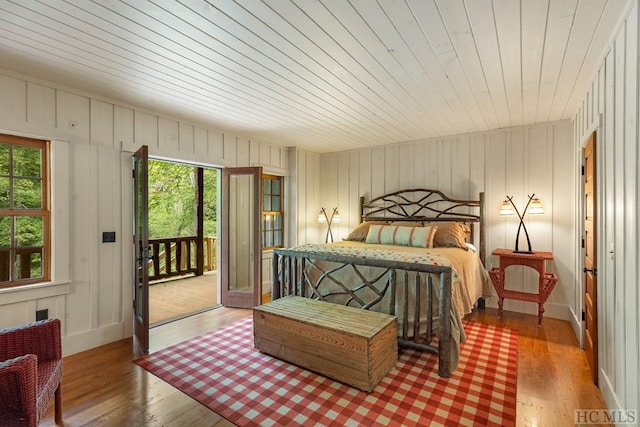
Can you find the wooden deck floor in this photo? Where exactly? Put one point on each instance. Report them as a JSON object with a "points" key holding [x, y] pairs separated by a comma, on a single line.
{"points": [[175, 299], [101, 387]]}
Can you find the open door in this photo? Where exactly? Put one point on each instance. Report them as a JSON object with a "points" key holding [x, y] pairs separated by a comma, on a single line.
{"points": [[590, 259], [141, 243], [241, 237]]}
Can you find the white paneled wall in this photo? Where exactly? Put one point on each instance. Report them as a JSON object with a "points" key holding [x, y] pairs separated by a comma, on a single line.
{"points": [[516, 161], [92, 193], [611, 108]]}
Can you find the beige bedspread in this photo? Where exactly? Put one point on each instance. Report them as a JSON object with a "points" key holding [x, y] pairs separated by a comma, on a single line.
{"points": [[472, 281]]}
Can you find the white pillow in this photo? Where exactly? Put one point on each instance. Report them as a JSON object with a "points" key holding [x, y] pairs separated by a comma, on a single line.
{"points": [[398, 235]]}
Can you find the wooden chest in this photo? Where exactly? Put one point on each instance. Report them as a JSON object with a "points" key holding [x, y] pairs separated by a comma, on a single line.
{"points": [[353, 346]]}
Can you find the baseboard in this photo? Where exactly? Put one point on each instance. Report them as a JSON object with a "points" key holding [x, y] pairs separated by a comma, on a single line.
{"points": [[607, 391], [73, 344], [576, 324], [556, 311]]}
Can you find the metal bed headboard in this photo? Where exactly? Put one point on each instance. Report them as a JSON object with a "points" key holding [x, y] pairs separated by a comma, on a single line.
{"points": [[427, 205]]}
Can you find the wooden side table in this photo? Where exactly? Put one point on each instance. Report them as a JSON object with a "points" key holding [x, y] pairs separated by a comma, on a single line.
{"points": [[537, 261]]}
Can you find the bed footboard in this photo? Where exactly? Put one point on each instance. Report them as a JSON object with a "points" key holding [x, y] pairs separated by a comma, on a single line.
{"points": [[405, 290]]}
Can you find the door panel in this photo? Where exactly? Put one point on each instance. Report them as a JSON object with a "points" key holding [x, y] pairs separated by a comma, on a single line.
{"points": [[241, 237], [141, 243], [590, 264]]}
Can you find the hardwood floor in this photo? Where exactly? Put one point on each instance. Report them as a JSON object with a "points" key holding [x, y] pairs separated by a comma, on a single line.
{"points": [[101, 387]]}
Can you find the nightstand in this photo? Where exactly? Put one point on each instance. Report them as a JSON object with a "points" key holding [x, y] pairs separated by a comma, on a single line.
{"points": [[537, 261]]}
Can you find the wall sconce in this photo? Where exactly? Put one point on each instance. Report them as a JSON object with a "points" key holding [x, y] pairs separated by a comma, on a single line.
{"points": [[533, 207], [322, 218]]}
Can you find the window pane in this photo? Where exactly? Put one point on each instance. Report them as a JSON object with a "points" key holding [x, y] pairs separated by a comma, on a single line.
{"points": [[277, 239], [266, 203], [4, 160], [5, 262], [275, 188], [267, 186], [29, 231], [26, 161], [4, 193], [27, 193], [278, 222], [29, 264], [275, 200], [5, 232]]}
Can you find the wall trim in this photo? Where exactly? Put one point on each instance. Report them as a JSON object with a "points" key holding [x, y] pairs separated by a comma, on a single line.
{"points": [[72, 344]]}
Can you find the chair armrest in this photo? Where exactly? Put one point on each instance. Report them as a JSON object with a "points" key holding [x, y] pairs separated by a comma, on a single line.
{"points": [[18, 388], [42, 338]]}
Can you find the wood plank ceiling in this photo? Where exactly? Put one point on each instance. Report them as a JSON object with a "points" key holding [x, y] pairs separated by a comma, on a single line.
{"points": [[324, 75]]}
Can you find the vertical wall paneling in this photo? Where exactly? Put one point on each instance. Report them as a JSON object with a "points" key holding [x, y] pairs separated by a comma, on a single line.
{"points": [[60, 209], [265, 157], [354, 192], [461, 166], [365, 180], [406, 176], [200, 142], [124, 129], [618, 119], [244, 157], [391, 171], [230, 150], [341, 229], [186, 138], [92, 192], [81, 238], [606, 307], [41, 101], [560, 210], [146, 130], [631, 254], [14, 108], [515, 161], [419, 166], [215, 145], [377, 172], [168, 131], [614, 98]]}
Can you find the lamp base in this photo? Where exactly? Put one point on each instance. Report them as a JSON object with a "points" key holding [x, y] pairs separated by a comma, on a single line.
{"points": [[523, 252]]}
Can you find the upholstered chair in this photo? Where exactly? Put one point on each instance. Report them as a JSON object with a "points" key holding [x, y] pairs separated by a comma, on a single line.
{"points": [[30, 372]]}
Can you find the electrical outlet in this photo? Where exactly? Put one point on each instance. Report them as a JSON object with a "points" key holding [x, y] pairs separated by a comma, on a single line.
{"points": [[42, 314]]}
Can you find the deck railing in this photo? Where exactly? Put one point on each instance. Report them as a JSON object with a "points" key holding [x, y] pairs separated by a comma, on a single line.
{"points": [[176, 256], [27, 263]]}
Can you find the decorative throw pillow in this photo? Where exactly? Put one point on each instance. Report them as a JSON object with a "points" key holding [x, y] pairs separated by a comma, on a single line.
{"points": [[451, 234], [406, 236], [407, 223], [359, 234]]}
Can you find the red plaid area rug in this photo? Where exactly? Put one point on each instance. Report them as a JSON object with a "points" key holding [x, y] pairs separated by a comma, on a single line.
{"points": [[223, 371]]}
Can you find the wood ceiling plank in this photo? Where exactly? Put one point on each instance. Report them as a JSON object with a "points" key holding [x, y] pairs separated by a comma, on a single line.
{"points": [[483, 25]]}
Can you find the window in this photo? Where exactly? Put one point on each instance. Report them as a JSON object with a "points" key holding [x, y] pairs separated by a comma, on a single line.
{"points": [[272, 212], [24, 211]]}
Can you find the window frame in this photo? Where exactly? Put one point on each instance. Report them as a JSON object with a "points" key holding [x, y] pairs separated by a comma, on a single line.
{"points": [[279, 212], [44, 212]]}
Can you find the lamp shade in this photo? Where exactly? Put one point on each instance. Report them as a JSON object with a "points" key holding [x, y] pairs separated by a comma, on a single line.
{"points": [[506, 209], [336, 216], [322, 216], [535, 207]]}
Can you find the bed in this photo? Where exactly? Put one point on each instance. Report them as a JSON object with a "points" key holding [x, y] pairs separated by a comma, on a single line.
{"points": [[417, 254]]}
